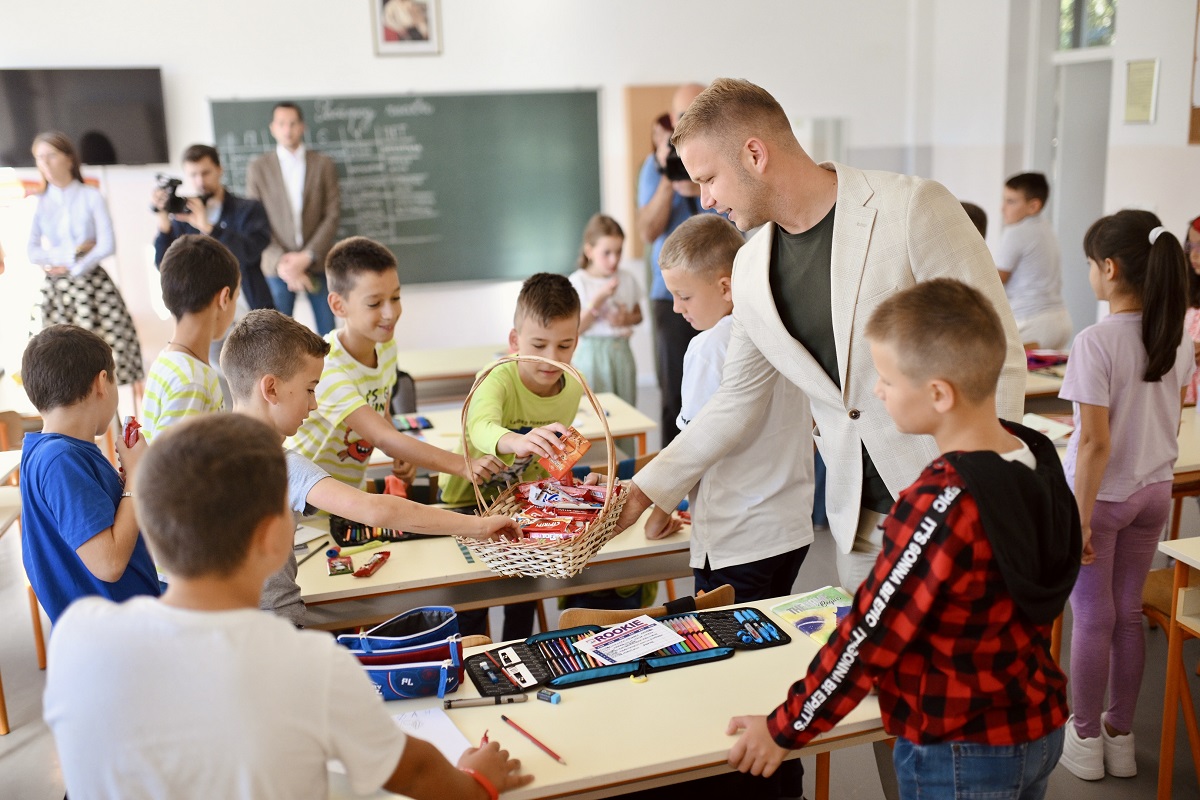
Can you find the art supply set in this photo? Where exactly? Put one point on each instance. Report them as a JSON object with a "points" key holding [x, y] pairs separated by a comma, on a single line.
{"points": [[410, 422], [348, 533], [553, 658]]}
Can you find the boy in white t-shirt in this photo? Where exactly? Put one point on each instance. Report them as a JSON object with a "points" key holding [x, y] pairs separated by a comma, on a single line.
{"points": [[1030, 264], [200, 280], [751, 517], [201, 695]]}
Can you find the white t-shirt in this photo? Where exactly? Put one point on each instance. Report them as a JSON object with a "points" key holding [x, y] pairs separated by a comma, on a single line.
{"points": [[1029, 251], [757, 501], [628, 294], [150, 701]]}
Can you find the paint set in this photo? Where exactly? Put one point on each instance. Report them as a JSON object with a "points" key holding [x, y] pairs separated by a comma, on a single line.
{"points": [[553, 659]]}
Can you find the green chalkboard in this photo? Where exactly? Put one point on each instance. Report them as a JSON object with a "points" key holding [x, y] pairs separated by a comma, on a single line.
{"points": [[460, 187]]}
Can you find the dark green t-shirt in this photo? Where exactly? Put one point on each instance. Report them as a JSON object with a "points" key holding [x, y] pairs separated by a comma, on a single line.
{"points": [[801, 284]]}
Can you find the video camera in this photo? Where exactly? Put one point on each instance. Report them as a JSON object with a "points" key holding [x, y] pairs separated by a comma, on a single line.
{"points": [[174, 204], [673, 168]]}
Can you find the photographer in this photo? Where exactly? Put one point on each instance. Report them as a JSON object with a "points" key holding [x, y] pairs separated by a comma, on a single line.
{"points": [[664, 202], [236, 222]]}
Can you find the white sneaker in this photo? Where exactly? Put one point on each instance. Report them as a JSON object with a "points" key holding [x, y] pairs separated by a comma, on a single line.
{"points": [[1083, 758], [1118, 754]]}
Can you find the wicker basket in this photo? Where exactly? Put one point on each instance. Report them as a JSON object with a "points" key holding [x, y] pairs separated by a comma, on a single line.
{"points": [[554, 558]]}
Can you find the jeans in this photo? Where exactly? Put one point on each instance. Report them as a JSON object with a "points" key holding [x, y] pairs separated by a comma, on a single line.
{"points": [[971, 771], [754, 580], [285, 300]]}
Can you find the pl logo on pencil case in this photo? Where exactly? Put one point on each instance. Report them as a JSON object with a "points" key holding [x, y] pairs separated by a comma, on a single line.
{"points": [[416, 654]]}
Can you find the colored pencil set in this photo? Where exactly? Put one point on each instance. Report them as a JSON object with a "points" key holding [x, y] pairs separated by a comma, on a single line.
{"points": [[348, 533], [561, 655]]}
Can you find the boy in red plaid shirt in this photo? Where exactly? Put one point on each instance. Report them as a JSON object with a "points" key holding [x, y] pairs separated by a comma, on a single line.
{"points": [[979, 557]]}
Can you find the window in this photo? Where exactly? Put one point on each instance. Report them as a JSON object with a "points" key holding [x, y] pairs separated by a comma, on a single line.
{"points": [[1086, 23]]}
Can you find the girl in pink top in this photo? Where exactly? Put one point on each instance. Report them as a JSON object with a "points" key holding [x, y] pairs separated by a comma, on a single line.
{"points": [[1126, 376], [1191, 322]]}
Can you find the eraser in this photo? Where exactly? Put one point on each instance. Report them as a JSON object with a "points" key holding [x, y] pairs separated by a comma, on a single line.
{"points": [[549, 696]]}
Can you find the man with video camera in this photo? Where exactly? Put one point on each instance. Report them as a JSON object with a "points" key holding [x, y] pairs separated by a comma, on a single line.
{"points": [[237, 222], [667, 197]]}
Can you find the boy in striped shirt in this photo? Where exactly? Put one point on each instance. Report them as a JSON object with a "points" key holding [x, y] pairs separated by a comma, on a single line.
{"points": [[200, 282], [352, 416]]}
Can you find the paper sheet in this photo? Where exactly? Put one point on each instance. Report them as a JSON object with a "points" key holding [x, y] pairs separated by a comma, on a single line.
{"points": [[629, 640], [435, 726]]}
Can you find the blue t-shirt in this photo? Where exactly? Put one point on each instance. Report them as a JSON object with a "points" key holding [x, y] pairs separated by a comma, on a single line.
{"points": [[69, 493], [681, 208]]}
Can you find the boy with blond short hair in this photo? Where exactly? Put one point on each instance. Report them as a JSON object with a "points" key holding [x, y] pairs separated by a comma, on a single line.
{"points": [[79, 530], [201, 695], [200, 280], [274, 365], [952, 626], [520, 409], [758, 545], [352, 416]]}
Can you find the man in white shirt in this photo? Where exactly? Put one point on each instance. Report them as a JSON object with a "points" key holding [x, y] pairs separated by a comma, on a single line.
{"points": [[299, 189]]}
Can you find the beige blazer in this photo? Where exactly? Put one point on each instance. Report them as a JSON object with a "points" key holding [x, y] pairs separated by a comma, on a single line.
{"points": [[320, 212], [890, 231]]}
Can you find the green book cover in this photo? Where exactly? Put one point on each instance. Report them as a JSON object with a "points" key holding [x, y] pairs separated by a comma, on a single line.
{"points": [[816, 613]]}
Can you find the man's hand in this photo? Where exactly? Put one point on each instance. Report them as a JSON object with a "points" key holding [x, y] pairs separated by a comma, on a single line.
{"points": [[196, 215], [495, 765], [542, 441], [755, 752], [293, 269], [635, 504], [661, 524]]}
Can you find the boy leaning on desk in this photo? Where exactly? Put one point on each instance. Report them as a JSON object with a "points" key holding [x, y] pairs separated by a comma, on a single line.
{"points": [[200, 694], [273, 365], [979, 556]]}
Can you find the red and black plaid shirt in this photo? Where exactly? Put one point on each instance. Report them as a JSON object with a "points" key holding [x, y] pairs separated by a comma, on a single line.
{"points": [[935, 628]]}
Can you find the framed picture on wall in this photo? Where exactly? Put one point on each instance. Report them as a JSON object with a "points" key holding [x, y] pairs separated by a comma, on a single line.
{"points": [[407, 27]]}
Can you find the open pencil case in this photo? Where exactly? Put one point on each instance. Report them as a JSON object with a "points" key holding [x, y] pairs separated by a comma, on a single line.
{"points": [[348, 533], [551, 658]]}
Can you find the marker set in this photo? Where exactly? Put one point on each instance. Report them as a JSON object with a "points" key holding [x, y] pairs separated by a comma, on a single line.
{"points": [[552, 658], [347, 533]]}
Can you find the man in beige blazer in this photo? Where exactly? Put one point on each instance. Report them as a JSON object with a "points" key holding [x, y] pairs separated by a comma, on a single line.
{"points": [[836, 241], [299, 189]]}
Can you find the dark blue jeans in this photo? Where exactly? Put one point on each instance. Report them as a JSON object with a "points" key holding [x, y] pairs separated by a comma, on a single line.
{"points": [[756, 580], [970, 771], [285, 301]]}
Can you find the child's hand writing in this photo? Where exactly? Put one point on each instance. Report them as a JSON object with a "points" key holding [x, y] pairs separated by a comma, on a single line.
{"points": [[538, 442], [755, 752], [661, 524], [494, 764]]}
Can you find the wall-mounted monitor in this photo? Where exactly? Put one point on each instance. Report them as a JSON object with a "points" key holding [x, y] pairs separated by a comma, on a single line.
{"points": [[114, 116]]}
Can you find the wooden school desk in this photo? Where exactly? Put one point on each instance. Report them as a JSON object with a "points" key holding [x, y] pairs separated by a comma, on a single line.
{"points": [[449, 363], [618, 736], [1185, 621], [435, 572], [1042, 384]]}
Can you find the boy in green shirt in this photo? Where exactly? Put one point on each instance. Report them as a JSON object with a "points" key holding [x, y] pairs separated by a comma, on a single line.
{"points": [[519, 411]]}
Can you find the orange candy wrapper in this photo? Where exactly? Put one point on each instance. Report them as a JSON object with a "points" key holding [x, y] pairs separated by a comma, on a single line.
{"points": [[559, 465]]}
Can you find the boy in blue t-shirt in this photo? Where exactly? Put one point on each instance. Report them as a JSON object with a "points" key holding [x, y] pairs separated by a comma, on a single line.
{"points": [[80, 532]]}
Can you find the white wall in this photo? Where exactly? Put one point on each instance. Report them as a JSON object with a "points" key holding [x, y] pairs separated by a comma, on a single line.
{"points": [[820, 59]]}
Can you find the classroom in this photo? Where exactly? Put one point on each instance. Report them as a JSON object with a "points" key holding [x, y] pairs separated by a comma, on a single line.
{"points": [[966, 94]]}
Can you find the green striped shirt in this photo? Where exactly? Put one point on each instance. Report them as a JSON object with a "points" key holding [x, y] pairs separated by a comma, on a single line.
{"points": [[178, 386], [346, 386]]}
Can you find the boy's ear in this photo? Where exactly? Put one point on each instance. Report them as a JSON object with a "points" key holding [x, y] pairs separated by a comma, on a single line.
{"points": [[267, 541], [224, 296], [943, 395], [513, 343], [337, 304], [1037, 205], [268, 387], [726, 284]]}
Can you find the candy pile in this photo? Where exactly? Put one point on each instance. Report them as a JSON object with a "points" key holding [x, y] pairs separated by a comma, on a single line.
{"points": [[552, 510]]}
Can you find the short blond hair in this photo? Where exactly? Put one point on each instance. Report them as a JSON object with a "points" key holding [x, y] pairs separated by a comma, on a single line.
{"points": [[944, 329], [703, 245], [731, 110]]}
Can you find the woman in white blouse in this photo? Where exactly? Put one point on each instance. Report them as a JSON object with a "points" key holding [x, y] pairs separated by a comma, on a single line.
{"points": [[72, 233]]}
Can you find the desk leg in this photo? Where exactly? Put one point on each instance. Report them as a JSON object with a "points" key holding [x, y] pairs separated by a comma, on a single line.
{"points": [[1175, 673], [641, 443], [822, 779]]}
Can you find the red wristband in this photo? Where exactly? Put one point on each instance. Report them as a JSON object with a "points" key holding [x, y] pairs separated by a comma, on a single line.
{"points": [[482, 780]]}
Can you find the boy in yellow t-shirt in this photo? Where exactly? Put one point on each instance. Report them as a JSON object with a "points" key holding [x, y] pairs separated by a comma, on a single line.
{"points": [[520, 409], [352, 416]]}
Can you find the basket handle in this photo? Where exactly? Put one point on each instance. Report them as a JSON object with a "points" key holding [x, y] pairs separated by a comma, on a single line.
{"points": [[574, 373]]}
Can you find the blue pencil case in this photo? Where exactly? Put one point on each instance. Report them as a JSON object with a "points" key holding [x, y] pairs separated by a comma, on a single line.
{"points": [[551, 658], [415, 654]]}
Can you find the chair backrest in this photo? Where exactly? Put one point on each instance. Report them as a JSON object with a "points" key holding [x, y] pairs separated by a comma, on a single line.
{"points": [[574, 617], [626, 468]]}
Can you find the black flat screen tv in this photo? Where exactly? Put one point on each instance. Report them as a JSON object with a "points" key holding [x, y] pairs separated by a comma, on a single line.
{"points": [[114, 116]]}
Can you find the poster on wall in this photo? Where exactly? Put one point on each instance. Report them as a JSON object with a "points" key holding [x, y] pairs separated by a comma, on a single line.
{"points": [[407, 27], [1141, 90]]}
